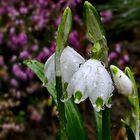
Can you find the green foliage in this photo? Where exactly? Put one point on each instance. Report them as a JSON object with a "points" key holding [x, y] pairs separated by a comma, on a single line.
{"points": [[74, 125], [130, 133], [95, 31], [134, 101]]}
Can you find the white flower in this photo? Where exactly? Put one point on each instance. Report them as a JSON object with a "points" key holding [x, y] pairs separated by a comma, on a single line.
{"points": [[91, 80], [69, 61], [84, 79], [123, 83]]}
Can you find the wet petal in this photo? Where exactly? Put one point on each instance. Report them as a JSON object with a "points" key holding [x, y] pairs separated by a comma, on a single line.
{"points": [[123, 83], [49, 68], [100, 85], [70, 62]]}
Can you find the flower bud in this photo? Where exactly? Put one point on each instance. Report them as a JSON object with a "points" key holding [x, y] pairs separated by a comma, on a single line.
{"points": [[122, 82]]}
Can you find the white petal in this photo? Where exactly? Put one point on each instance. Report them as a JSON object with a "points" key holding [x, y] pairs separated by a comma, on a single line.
{"points": [[99, 83], [123, 83], [70, 61], [49, 68], [78, 83]]}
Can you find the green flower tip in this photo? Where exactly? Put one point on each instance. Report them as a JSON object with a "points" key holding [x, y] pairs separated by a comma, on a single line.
{"points": [[114, 69], [66, 95], [65, 85], [99, 102], [87, 3], [78, 96], [45, 81]]}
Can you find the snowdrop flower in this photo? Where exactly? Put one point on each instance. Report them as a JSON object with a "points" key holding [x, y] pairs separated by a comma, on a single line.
{"points": [[91, 80], [123, 83], [82, 79], [69, 61]]}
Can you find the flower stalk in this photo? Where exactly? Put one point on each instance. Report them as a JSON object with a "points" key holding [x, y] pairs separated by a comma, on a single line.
{"points": [[61, 43], [96, 35]]}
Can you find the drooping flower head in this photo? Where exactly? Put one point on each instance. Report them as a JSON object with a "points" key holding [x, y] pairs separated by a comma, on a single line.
{"points": [[83, 78]]}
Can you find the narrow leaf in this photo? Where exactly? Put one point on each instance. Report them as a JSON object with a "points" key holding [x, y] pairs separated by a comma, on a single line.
{"points": [[134, 100], [38, 69], [95, 30], [61, 43], [64, 30], [129, 132], [74, 127]]}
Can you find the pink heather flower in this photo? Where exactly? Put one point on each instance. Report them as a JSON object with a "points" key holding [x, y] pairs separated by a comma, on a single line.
{"points": [[22, 38], [18, 94], [24, 54], [34, 48], [36, 116], [112, 56], [14, 82], [29, 73], [52, 48], [1, 61], [74, 39], [19, 73], [118, 48], [106, 16], [1, 37], [23, 10], [126, 57]]}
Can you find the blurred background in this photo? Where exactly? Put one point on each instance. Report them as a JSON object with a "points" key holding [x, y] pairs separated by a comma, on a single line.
{"points": [[27, 31]]}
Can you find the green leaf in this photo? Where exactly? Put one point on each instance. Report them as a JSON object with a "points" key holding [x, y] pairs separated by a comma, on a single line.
{"points": [[61, 43], [95, 30], [98, 120], [129, 132], [75, 126], [38, 69], [134, 100], [64, 30]]}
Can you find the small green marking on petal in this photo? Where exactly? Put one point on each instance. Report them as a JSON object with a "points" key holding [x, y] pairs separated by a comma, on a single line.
{"points": [[109, 100], [114, 69], [45, 81], [99, 102], [65, 85], [66, 95], [78, 95]]}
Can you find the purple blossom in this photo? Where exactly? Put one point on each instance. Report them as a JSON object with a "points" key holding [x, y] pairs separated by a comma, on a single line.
{"points": [[24, 54], [14, 82], [42, 56], [29, 73], [112, 56], [53, 47], [1, 37], [74, 39], [118, 47], [34, 47], [23, 10], [126, 57], [19, 73], [1, 61], [106, 16]]}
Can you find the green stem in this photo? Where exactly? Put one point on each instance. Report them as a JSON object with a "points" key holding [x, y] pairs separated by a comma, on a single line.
{"points": [[98, 120], [61, 109], [106, 134], [135, 102]]}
